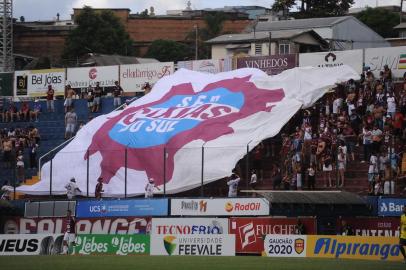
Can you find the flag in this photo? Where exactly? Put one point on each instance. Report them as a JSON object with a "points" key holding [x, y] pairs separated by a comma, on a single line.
{"points": [[189, 118], [402, 61]]}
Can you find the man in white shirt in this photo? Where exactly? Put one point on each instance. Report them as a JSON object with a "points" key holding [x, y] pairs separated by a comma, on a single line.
{"points": [[391, 104], [149, 188], [254, 178], [71, 189], [233, 185], [373, 170], [337, 104]]}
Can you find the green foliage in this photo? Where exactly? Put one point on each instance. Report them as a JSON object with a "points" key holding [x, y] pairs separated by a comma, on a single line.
{"points": [[380, 20], [280, 5], [315, 8], [168, 50], [97, 32]]}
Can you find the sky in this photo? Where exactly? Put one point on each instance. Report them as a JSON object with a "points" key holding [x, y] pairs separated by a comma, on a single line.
{"points": [[47, 9]]}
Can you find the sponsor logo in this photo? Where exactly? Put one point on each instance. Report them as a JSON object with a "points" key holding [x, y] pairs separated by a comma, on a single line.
{"points": [[200, 206], [169, 244], [18, 245], [119, 245], [179, 117], [93, 73], [229, 207], [299, 245], [331, 56], [216, 228], [237, 207], [337, 248], [247, 234]]}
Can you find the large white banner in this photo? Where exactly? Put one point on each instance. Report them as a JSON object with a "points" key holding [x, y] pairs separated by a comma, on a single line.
{"points": [[134, 77], [220, 207], [193, 245], [278, 245], [34, 83], [189, 226], [208, 65], [394, 57], [30, 244], [185, 112], [88, 76], [352, 58]]}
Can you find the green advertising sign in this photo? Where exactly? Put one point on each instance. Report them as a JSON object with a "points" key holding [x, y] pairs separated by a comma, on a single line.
{"points": [[6, 84], [112, 244]]}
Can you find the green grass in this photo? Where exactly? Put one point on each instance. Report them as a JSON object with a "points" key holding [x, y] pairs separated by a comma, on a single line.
{"points": [[189, 263]]}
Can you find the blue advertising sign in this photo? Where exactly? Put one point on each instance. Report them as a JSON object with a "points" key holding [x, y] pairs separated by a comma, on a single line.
{"points": [[122, 208], [390, 206]]}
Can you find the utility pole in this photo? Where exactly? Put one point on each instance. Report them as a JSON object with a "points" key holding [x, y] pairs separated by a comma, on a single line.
{"points": [[6, 39], [401, 12], [196, 41]]}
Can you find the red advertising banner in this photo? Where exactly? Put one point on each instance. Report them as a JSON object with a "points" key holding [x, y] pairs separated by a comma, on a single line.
{"points": [[371, 226], [133, 225], [250, 232], [272, 65]]}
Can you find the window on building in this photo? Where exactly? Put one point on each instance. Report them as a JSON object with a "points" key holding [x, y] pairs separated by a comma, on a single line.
{"points": [[284, 48], [258, 48]]}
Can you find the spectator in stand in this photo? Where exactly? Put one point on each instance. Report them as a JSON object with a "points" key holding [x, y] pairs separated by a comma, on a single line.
{"points": [[117, 93], [147, 88], [50, 99], [99, 188], [391, 104], [376, 139], [149, 188], [2, 110], [72, 189], [90, 98], [276, 177], [337, 105], [398, 123], [36, 111], [33, 154], [311, 176], [373, 171], [327, 168], [98, 92], [11, 112], [70, 122], [298, 176], [7, 152], [70, 93], [253, 180], [341, 167], [233, 185], [258, 157], [20, 172], [367, 142], [24, 111]]}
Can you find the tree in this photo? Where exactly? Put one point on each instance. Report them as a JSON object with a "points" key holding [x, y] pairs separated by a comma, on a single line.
{"points": [[168, 50], [380, 20], [315, 8], [97, 32]]}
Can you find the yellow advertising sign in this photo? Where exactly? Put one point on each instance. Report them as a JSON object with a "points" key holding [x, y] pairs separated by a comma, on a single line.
{"points": [[353, 247]]}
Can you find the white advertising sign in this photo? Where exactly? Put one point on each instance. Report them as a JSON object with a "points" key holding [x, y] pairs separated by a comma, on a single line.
{"points": [[134, 77], [85, 76], [352, 58], [394, 57], [285, 245], [26, 244], [188, 245], [220, 207], [162, 226], [208, 66], [34, 83]]}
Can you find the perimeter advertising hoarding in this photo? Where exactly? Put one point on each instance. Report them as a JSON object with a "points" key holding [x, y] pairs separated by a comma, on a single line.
{"points": [[394, 57], [134, 77], [90, 244], [220, 207], [352, 58], [26, 244], [372, 226], [208, 65], [122, 208], [124, 225], [193, 245], [272, 65], [285, 245], [250, 232], [34, 83], [390, 206], [160, 226], [84, 77]]}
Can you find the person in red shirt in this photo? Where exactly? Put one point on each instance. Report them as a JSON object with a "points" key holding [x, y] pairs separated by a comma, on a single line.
{"points": [[24, 111], [50, 99], [70, 232], [398, 120], [99, 188]]}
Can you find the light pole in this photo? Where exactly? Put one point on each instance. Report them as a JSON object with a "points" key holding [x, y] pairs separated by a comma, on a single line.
{"points": [[196, 41]]}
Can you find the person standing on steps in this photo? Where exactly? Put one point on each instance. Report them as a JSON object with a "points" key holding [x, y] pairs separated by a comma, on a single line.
{"points": [[71, 120], [98, 92], [99, 188], [117, 93], [50, 99]]}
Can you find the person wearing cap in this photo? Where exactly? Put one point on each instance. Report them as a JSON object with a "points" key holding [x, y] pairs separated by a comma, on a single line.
{"points": [[402, 233], [71, 189], [149, 188], [99, 188]]}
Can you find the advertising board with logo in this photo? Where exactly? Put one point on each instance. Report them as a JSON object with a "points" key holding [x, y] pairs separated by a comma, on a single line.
{"points": [[352, 58], [272, 65], [124, 225], [276, 245], [134, 77], [353, 247], [89, 244], [371, 226], [88, 76], [193, 245], [24, 244], [394, 57], [34, 83], [249, 232], [122, 208], [208, 65], [161, 226], [390, 206], [220, 207]]}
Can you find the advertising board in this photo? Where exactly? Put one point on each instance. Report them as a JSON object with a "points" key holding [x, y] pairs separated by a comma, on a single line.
{"points": [[390, 206], [161, 226], [285, 245], [84, 77], [90, 244], [25, 244], [372, 226], [193, 245], [122, 208], [34, 83], [220, 207], [394, 57], [272, 65]]}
